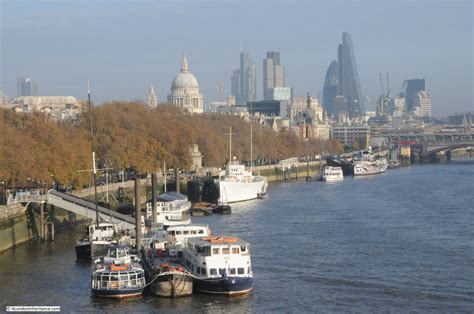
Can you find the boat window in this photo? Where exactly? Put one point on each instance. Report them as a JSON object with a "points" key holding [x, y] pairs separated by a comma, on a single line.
{"points": [[225, 250], [240, 271], [172, 232], [215, 251], [198, 270], [193, 231], [133, 276], [203, 271], [232, 271], [114, 277], [188, 263], [243, 248], [235, 250], [199, 249], [221, 271], [123, 277], [213, 271], [200, 231], [248, 270], [178, 232], [185, 232]]}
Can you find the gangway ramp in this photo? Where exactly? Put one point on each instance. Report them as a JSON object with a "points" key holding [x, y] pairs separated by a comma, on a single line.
{"points": [[86, 209]]}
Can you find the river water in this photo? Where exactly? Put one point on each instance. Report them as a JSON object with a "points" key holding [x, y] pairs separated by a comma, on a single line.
{"points": [[400, 241]]}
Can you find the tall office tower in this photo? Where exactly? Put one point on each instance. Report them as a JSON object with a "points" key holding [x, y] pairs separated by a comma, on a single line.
{"points": [[152, 100], [410, 89], [349, 84], [248, 79], [273, 74], [235, 85], [330, 88], [26, 87], [422, 104]]}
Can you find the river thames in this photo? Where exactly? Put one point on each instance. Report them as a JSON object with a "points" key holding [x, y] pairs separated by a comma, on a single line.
{"points": [[400, 241]]}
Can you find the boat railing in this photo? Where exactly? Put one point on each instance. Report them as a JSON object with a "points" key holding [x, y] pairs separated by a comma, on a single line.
{"points": [[115, 285]]}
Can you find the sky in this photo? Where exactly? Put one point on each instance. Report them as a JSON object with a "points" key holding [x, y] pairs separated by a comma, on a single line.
{"points": [[122, 47]]}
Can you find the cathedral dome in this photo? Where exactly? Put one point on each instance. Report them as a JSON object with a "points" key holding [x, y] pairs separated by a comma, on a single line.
{"points": [[184, 79]]}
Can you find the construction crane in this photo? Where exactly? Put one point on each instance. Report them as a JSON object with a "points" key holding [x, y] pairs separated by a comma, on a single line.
{"points": [[388, 85], [219, 88]]}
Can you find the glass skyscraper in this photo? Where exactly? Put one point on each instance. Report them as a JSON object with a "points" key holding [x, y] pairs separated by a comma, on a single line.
{"points": [[411, 89], [330, 88], [248, 79], [349, 84], [26, 87]]}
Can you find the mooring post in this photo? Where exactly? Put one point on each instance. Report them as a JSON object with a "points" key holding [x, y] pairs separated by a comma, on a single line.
{"points": [[42, 221], [138, 215], [176, 178], [307, 168], [52, 221], [153, 197], [296, 168]]}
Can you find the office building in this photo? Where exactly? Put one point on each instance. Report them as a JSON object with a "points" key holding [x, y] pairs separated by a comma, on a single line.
{"points": [[26, 87], [244, 80], [330, 88], [273, 75], [410, 89], [348, 83], [422, 104]]}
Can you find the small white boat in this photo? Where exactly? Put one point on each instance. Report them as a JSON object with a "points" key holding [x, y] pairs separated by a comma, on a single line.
{"points": [[172, 208], [332, 174], [118, 275]]}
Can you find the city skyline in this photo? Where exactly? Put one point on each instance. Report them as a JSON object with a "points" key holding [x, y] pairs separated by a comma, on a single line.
{"points": [[129, 59]]}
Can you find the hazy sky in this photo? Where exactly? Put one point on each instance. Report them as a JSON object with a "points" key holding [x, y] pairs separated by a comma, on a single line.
{"points": [[124, 46]]}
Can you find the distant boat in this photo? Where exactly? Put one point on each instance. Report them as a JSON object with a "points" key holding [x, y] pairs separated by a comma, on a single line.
{"points": [[236, 184], [332, 174], [369, 164], [118, 275]]}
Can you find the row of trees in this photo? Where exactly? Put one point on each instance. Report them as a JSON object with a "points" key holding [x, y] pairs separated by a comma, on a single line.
{"points": [[131, 134]]}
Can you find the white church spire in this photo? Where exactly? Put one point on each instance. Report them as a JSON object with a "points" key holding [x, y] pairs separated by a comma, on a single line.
{"points": [[152, 99]]}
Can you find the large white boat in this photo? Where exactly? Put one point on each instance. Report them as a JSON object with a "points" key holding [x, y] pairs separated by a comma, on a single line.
{"points": [[369, 164], [236, 184], [172, 208], [332, 174], [220, 265]]}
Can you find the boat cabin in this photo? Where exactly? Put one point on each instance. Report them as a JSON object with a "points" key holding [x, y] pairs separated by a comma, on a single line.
{"points": [[180, 233], [104, 231]]}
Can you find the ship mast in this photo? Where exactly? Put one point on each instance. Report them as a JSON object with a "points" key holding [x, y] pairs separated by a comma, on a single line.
{"points": [[94, 168]]}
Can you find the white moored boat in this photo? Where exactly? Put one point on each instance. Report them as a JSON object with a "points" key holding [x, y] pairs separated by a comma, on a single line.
{"points": [[172, 208], [220, 265], [332, 174], [237, 184], [369, 164]]}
